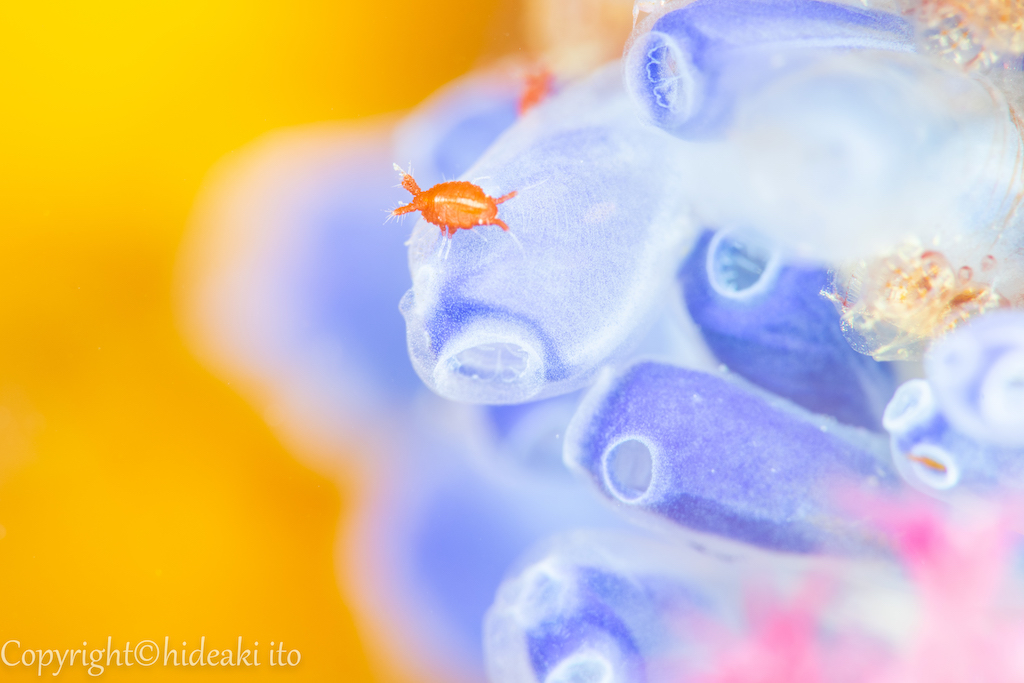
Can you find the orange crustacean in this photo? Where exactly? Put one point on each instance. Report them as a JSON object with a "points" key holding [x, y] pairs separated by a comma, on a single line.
{"points": [[452, 205], [539, 84], [930, 463]]}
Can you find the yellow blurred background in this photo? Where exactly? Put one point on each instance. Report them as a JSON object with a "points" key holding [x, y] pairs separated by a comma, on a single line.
{"points": [[139, 495]]}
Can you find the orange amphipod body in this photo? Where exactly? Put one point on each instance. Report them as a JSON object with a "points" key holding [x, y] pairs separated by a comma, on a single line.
{"points": [[929, 462], [539, 84], [452, 205]]}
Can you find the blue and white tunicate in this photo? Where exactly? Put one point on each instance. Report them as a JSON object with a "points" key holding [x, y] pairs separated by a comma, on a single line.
{"points": [[977, 373], [763, 316], [687, 71], [962, 428], [293, 280], [610, 607], [697, 451], [595, 234]]}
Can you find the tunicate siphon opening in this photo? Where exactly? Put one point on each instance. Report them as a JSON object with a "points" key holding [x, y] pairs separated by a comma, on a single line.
{"points": [[489, 370], [913, 404], [543, 589], [628, 469], [582, 667], [934, 466], [662, 79], [498, 362], [739, 266]]}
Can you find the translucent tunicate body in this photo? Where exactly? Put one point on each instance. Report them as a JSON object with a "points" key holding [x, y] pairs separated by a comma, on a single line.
{"points": [[978, 377], [606, 607], [686, 68], [764, 317], [434, 537], [701, 452], [855, 153], [962, 429], [940, 460], [615, 607], [290, 280], [595, 233]]}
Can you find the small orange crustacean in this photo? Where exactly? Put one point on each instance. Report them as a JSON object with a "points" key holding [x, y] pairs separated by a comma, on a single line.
{"points": [[452, 205], [539, 84], [930, 463]]}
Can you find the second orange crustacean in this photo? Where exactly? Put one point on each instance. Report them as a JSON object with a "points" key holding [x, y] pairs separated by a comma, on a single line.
{"points": [[539, 84], [452, 205]]}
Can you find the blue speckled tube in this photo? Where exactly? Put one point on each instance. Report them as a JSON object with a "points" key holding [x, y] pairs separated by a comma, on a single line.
{"points": [[594, 606], [766, 320], [701, 452], [591, 625], [685, 72], [963, 428]]}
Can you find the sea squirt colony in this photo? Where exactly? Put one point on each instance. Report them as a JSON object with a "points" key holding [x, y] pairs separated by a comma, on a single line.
{"points": [[700, 326]]}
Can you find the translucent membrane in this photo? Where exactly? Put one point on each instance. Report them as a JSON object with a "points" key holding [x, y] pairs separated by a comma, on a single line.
{"points": [[496, 363], [596, 231], [439, 533], [288, 275], [737, 264], [628, 468], [604, 607], [527, 439], [687, 67], [853, 153]]}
